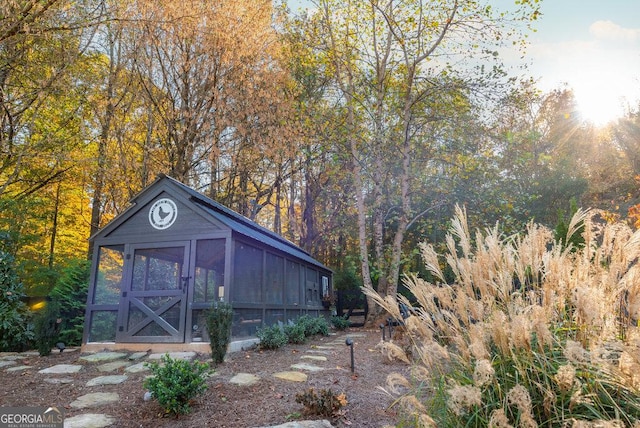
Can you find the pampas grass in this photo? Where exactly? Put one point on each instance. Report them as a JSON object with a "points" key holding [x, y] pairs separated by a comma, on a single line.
{"points": [[530, 333]]}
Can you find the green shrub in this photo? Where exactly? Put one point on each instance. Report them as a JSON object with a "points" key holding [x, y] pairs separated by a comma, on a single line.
{"points": [[47, 325], [326, 403], [271, 337], [16, 330], [175, 382], [314, 325], [219, 320], [295, 333], [340, 323]]}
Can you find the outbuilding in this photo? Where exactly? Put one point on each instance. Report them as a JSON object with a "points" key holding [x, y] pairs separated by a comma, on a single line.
{"points": [[160, 265]]}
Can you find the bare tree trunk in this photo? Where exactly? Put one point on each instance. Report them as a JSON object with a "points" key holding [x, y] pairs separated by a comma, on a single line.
{"points": [[54, 229], [277, 218], [362, 219]]}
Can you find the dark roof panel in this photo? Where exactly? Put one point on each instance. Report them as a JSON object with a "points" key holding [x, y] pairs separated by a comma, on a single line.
{"points": [[247, 227]]}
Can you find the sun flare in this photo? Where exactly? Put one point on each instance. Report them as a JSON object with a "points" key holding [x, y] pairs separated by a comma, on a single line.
{"points": [[602, 86], [600, 105]]}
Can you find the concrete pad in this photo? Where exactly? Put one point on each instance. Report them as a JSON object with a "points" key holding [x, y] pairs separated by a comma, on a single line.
{"points": [[107, 380], [136, 368], [89, 420], [314, 357], [7, 363], [18, 368], [175, 355], [62, 369], [307, 367], [112, 366], [103, 357], [291, 376], [95, 399], [244, 379]]}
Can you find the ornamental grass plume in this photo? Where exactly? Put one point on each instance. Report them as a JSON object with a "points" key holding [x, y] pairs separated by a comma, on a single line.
{"points": [[462, 398], [530, 332], [565, 377], [483, 373], [499, 419]]}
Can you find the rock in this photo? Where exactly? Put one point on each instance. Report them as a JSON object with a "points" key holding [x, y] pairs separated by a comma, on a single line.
{"points": [[319, 351], [304, 424], [137, 355], [314, 357], [7, 363], [11, 357], [148, 395], [103, 356], [107, 380], [95, 399], [307, 367], [59, 380], [112, 366], [244, 379], [175, 355], [89, 420], [62, 369], [18, 368], [291, 376], [136, 368]]}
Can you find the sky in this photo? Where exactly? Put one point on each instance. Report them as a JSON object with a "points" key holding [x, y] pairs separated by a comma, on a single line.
{"points": [[591, 45], [594, 47]]}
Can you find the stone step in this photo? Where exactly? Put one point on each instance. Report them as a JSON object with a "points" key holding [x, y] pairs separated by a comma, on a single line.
{"points": [[95, 399], [89, 420], [107, 380], [291, 376], [62, 369], [103, 357]]}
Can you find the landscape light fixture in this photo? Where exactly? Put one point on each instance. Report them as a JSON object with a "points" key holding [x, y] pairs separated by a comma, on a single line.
{"points": [[349, 343]]}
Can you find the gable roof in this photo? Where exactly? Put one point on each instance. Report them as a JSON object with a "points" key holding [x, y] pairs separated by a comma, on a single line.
{"points": [[233, 220]]}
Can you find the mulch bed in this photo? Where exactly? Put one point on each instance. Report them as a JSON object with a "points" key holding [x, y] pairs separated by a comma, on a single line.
{"points": [[269, 402]]}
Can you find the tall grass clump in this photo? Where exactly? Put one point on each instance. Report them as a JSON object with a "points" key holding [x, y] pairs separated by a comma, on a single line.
{"points": [[531, 332]]}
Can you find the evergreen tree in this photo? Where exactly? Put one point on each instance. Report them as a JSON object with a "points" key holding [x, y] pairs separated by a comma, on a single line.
{"points": [[16, 331]]}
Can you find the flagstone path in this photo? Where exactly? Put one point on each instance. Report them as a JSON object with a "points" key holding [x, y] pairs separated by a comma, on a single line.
{"points": [[315, 359]]}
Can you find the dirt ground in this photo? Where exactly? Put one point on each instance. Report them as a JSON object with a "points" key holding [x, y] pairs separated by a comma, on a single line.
{"points": [[269, 402]]}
